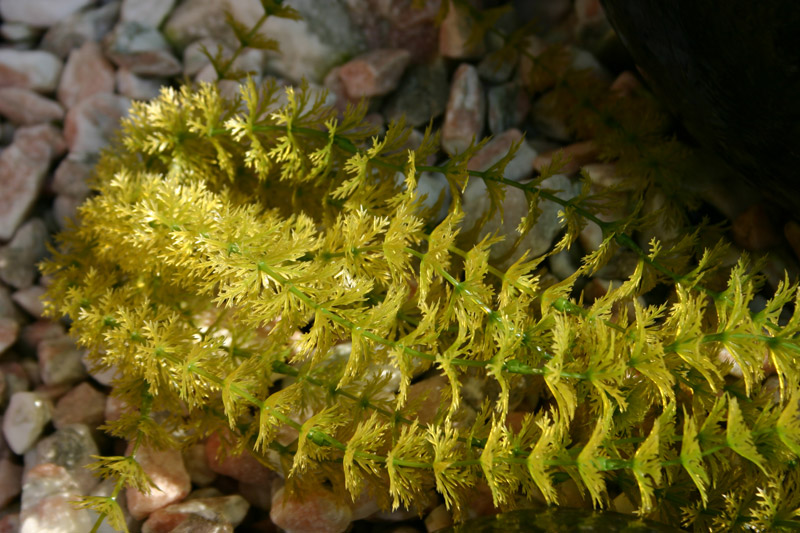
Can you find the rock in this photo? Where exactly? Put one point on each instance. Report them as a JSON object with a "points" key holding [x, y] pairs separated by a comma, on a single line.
{"points": [[19, 33], [194, 59], [507, 105], [455, 33], [791, 230], [10, 481], [23, 167], [573, 157], [438, 518], [39, 13], [25, 107], [244, 467], [78, 28], [19, 257], [197, 465], [146, 12], [497, 67], [60, 361], [36, 332], [105, 489], [136, 87], [15, 377], [625, 84], [141, 49], [172, 484], [82, 405], [48, 491], [309, 48], [375, 73], [753, 230], [515, 206], [591, 26], [520, 166], [465, 114], [223, 510], [258, 495], [426, 395], [9, 523], [434, 187], [548, 121], [71, 177], [36, 70], [9, 330], [26, 416], [319, 511], [85, 73], [90, 124], [70, 447], [7, 307], [547, 14], [421, 94]]}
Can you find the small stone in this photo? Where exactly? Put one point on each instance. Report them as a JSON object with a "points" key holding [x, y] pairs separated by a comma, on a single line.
{"points": [[625, 84], [623, 504], [105, 489], [515, 206], [319, 511], [375, 73], [548, 121], [193, 20], [25, 107], [365, 506], [7, 307], [19, 257], [197, 465], [48, 491], [136, 87], [244, 467], [547, 14], [104, 375], [142, 50], [194, 59], [9, 331], [507, 106], [258, 495], [791, 230], [23, 167], [465, 115], [421, 94], [146, 12], [19, 33], [430, 392], [434, 187], [573, 157], [34, 333], [172, 484], [71, 177], [224, 510], [520, 166], [15, 377], [438, 518], [10, 481], [29, 69], [39, 13], [753, 230], [10, 523], [592, 26], [90, 124], [497, 67], [26, 416], [115, 407], [60, 361], [90, 25], [82, 405], [86, 72], [455, 33], [70, 447]]}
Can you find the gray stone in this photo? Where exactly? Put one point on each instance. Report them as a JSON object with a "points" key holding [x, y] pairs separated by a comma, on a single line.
{"points": [[165, 468], [9, 331], [515, 206], [19, 257], [375, 73], [10, 481], [78, 28], [91, 123], [60, 361], [141, 49], [26, 416], [319, 510], [421, 95], [70, 447], [19, 33], [29, 69], [136, 87], [521, 164], [83, 405], [146, 12], [30, 299], [507, 105], [39, 13], [455, 33], [26, 107]]}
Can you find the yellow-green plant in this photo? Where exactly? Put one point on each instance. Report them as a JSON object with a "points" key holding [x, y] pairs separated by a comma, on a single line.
{"points": [[222, 228]]}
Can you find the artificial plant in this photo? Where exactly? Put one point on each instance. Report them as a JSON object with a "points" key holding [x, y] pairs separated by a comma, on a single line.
{"points": [[231, 244]]}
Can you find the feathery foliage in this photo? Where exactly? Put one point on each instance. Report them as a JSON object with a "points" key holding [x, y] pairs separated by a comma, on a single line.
{"points": [[221, 229]]}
